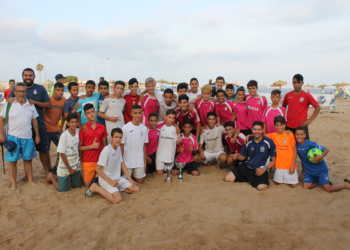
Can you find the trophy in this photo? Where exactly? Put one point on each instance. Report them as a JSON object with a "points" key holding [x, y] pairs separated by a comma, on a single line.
{"points": [[180, 166], [168, 166]]}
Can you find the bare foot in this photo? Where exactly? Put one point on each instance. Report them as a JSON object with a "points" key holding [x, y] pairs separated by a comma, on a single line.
{"points": [[347, 185], [13, 188], [32, 183], [48, 180]]}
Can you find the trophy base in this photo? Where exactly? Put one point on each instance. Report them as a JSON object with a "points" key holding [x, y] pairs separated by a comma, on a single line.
{"points": [[180, 180], [168, 180]]}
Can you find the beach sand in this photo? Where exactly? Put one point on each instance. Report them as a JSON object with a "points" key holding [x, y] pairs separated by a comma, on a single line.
{"points": [[200, 213]]}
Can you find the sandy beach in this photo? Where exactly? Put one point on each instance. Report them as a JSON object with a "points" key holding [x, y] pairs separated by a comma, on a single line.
{"points": [[200, 213]]}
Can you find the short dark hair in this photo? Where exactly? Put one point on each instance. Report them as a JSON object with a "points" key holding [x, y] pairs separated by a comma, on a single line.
{"points": [[229, 86], [90, 82], [170, 112], [187, 121], [220, 91], [220, 78], [58, 85], [301, 128], [182, 85], [240, 89], [132, 81], [260, 123], [152, 114], [168, 91], [120, 83], [103, 83], [298, 77], [252, 83], [116, 130], [276, 92], [183, 97], [229, 124], [280, 119], [28, 69], [211, 114], [88, 106], [71, 84], [102, 78], [193, 79], [12, 80], [71, 116], [136, 106]]}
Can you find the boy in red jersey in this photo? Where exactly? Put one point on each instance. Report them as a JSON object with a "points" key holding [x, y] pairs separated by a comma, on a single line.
{"points": [[204, 106], [7, 92], [241, 114], [234, 145], [272, 111], [224, 109], [152, 145], [131, 99]]}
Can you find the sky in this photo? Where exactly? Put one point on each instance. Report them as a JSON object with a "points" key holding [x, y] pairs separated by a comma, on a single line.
{"points": [[265, 40]]}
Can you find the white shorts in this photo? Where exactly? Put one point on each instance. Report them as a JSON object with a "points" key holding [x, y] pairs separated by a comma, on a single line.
{"points": [[138, 172], [211, 157], [160, 165], [283, 176], [123, 184]]}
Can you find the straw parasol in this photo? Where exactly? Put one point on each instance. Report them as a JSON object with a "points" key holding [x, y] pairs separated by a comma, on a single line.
{"points": [[47, 82], [337, 84], [279, 83], [309, 86], [323, 86], [343, 84], [162, 81], [113, 81], [141, 83]]}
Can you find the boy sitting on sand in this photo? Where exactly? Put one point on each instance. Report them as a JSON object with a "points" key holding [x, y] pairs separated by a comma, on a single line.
{"points": [[316, 173], [108, 168]]}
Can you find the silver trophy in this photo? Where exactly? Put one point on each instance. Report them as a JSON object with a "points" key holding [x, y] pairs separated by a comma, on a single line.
{"points": [[180, 166], [168, 166]]}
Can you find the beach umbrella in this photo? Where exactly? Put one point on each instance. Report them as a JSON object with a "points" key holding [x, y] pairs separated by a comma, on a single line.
{"points": [[323, 86], [162, 81], [113, 81], [337, 84], [279, 84], [309, 86], [343, 84], [141, 83]]}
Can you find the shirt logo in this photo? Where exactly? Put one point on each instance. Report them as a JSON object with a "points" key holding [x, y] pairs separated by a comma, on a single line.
{"points": [[246, 107], [157, 132], [141, 133], [301, 99], [262, 149], [131, 131], [35, 92], [210, 107], [259, 102], [326, 177], [190, 143], [225, 108], [284, 141]]}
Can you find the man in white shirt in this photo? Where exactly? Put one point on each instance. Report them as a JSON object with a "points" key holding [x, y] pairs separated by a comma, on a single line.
{"points": [[21, 117]]}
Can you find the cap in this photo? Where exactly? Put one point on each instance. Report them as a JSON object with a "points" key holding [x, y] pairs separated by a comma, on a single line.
{"points": [[59, 76]]}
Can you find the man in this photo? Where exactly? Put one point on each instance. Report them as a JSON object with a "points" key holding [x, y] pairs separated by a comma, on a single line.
{"points": [[101, 79], [20, 119], [37, 95]]}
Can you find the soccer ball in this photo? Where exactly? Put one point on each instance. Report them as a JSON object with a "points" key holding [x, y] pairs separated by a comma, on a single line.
{"points": [[313, 153]]}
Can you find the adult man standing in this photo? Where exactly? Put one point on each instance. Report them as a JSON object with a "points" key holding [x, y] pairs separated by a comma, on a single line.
{"points": [[20, 119], [37, 95]]}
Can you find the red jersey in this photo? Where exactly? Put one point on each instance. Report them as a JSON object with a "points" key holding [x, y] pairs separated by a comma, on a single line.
{"points": [[148, 105], [269, 117], [242, 115], [130, 100], [186, 155], [88, 137], [225, 111], [203, 108], [152, 144], [180, 118], [238, 144], [256, 107], [7, 93], [298, 105]]}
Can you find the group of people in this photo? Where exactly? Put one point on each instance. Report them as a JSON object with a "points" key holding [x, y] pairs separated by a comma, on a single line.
{"points": [[109, 141]]}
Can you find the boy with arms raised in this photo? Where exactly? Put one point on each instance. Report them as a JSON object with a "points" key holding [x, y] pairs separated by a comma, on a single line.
{"points": [[103, 88], [258, 151], [89, 98], [133, 145], [152, 145], [69, 162], [91, 143], [149, 102], [109, 168], [112, 109], [204, 106], [272, 111], [234, 145], [224, 109], [316, 173], [71, 105], [212, 137], [131, 99]]}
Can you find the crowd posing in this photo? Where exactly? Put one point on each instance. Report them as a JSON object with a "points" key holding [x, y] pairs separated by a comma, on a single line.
{"points": [[109, 141]]}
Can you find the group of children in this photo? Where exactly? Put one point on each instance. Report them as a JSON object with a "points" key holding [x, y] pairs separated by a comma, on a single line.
{"points": [[118, 138]]}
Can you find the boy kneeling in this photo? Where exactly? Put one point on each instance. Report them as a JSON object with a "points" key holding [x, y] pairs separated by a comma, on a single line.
{"points": [[108, 168]]}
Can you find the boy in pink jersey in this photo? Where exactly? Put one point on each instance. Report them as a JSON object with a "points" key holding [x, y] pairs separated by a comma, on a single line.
{"points": [[204, 106], [256, 104], [187, 150], [149, 102], [152, 145], [235, 145], [272, 111], [241, 113], [224, 109]]}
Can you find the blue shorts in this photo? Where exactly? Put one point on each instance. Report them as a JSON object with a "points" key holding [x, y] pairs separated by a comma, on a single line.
{"points": [[25, 149], [54, 137], [321, 179]]}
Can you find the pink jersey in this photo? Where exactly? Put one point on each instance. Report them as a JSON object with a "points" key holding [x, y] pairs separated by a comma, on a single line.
{"points": [[225, 110], [269, 116], [203, 108], [256, 107], [186, 155], [242, 115], [152, 144], [180, 118], [148, 106], [238, 144]]}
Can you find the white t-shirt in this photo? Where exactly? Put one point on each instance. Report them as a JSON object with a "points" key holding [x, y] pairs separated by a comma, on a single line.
{"points": [[192, 96], [213, 139], [167, 143], [68, 145], [113, 107], [20, 119], [163, 108], [134, 137], [111, 161]]}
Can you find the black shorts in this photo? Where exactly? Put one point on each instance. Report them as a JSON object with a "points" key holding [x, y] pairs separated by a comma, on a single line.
{"points": [[150, 168], [245, 131], [44, 145], [245, 174], [294, 129], [192, 166]]}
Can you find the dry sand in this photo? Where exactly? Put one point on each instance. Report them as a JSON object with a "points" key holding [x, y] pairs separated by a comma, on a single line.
{"points": [[201, 213]]}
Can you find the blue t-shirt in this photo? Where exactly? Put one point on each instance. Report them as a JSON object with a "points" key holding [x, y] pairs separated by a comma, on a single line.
{"points": [[100, 120], [37, 93], [93, 100], [258, 153], [69, 105], [311, 168]]}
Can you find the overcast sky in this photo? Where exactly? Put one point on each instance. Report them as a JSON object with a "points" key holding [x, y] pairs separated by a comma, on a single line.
{"points": [[177, 40]]}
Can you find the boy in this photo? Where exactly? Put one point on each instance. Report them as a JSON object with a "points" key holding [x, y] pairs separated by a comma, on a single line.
{"points": [[109, 168], [272, 111], [186, 150], [316, 173], [111, 110], [71, 105], [204, 105], [224, 109], [298, 103], [258, 152], [230, 93], [69, 163], [89, 98], [7, 92], [133, 145], [131, 99], [212, 137], [193, 92], [103, 88], [91, 143], [220, 82], [152, 145], [241, 113], [165, 103], [168, 140], [256, 104], [234, 145], [182, 88], [149, 102]]}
